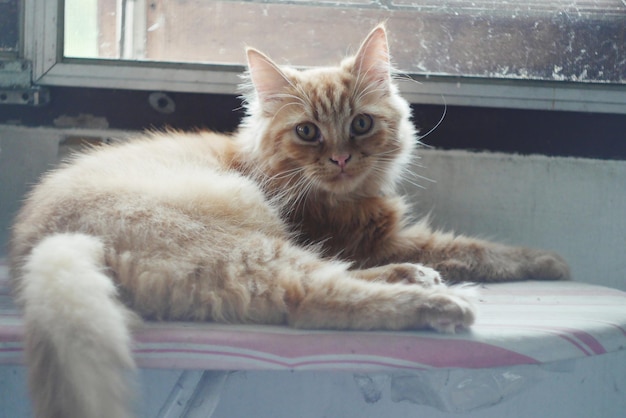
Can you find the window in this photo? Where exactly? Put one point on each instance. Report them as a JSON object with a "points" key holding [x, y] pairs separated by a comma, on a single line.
{"points": [[559, 54], [9, 27]]}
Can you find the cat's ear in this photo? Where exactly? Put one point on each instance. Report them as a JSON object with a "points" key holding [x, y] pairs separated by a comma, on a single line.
{"points": [[372, 62], [268, 80]]}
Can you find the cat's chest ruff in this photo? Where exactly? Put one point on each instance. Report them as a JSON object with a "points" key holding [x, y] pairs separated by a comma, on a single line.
{"points": [[347, 226]]}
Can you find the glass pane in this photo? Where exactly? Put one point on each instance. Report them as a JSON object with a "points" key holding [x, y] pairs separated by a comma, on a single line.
{"points": [[9, 25], [569, 40]]}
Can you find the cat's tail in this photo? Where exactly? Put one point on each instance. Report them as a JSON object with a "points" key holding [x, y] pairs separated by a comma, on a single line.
{"points": [[77, 337]]}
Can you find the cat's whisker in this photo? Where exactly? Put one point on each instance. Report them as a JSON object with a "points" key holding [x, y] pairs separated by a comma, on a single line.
{"points": [[406, 173], [370, 89], [387, 159], [294, 187], [298, 100], [410, 170], [296, 195], [285, 106], [443, 115], [407, 78], [301, 201], [304, 98], [294, 192], [287, 173], [397, 76], [385, 153], [413, 183]]}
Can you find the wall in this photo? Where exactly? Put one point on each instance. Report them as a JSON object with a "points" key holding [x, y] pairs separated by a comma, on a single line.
{"points": [[572, 205]]}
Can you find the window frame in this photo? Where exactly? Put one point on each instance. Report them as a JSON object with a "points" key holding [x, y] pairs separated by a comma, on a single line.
{"points": [[43, 41]]}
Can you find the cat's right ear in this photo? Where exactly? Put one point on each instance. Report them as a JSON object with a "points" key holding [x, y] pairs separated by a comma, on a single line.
{"points": [[268, 80], [372, 61]]}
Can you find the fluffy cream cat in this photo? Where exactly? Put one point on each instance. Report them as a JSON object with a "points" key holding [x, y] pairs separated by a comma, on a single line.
{"points": [[292, 220]]}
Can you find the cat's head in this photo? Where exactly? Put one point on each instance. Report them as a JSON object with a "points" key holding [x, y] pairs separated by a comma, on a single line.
{"points": [[341, 130]]}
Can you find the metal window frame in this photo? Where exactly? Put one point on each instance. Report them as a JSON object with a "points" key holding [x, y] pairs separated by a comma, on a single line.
{"points": [[43, 20]]}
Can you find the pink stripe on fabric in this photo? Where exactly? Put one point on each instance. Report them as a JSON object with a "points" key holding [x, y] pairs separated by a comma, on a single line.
{"points": [[11, 355], [587, 339], [573, 336], [11, 334], [617, 326], [590, 341], [573, 342], [433, 352], [282, 363]]}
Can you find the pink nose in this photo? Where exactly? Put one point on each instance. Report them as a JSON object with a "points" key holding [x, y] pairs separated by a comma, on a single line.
{"points": [[340, 160]]}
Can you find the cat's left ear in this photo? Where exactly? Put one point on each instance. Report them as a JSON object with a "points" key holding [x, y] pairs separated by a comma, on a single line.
{"points": [[268, 80], [372, 62]]}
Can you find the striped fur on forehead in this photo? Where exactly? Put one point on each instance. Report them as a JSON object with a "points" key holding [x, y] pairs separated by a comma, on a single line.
{"points": [[335, 95], [329, 95]]}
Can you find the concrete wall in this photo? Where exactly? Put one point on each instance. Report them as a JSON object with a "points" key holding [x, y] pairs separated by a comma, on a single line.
{"points": [[25, 154], [574, 206]]}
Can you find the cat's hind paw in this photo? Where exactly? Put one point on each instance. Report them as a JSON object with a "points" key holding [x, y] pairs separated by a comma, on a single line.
{"points": [[547, 265]]}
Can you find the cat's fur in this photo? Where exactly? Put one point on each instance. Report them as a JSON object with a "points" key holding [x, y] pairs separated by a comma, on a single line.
{"points": [[283, 222]]}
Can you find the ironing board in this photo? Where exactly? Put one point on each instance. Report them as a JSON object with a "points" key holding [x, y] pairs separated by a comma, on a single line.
{"points": [[519, 323]]}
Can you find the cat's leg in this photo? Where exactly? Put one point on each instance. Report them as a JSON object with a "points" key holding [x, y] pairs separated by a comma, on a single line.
{"points": [[460, 258], [407, 273], [332, 297], [285, 282], [263, 279], [373, 233]]}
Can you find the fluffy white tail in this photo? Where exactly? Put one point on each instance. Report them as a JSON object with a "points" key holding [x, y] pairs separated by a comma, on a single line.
{"points": [[77, 338]]}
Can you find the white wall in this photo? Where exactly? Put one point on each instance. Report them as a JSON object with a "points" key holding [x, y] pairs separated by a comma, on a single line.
{"points": [[574, 206], [26, 153]]}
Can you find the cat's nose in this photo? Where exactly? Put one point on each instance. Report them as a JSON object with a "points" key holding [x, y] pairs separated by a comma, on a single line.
{"points": [[340, 160]]}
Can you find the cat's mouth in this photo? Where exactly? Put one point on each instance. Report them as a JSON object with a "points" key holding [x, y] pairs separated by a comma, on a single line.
{"points": [[342, 182], [340, 179], [342, 176]]}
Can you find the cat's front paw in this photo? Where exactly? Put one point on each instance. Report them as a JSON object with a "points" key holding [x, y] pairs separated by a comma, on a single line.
{"points": [[448, 311], [414, 274], [406, 273], [425, 276]]}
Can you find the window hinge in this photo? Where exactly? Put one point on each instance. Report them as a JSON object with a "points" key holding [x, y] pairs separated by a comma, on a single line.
{"points": [[16, 86]]}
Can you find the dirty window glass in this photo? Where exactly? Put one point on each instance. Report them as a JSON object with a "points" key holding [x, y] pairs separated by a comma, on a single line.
{"points": [[9, 26], [558, 40]]}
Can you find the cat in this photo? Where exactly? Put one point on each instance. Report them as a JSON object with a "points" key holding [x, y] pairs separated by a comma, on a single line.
{"points": [[293, 219]]}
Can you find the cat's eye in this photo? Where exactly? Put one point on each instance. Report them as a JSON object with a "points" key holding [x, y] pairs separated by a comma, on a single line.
{"points": [[308, 132], [362, 124]]}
